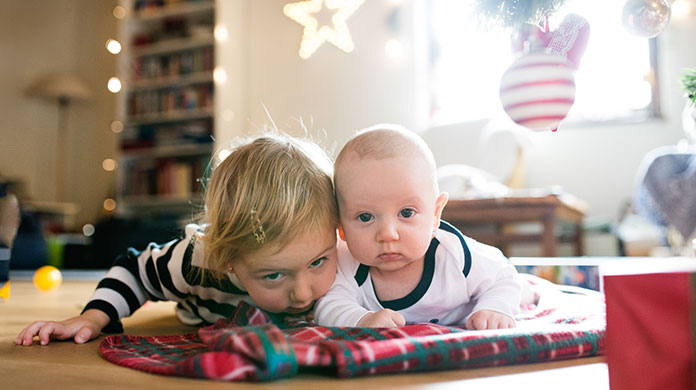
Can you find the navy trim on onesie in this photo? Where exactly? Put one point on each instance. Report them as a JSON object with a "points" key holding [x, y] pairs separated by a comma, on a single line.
{"points": [[467, 254], [361, 274], [423, 285]]}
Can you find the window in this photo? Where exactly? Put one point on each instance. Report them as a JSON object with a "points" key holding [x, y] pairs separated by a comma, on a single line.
{"points": [[614, 82]]}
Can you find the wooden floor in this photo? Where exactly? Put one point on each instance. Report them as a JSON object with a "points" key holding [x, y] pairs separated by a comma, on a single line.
{"points": [[67, 365]]}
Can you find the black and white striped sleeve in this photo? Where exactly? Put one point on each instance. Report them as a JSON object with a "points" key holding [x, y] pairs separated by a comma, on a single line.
{"points": [[154, 274]]}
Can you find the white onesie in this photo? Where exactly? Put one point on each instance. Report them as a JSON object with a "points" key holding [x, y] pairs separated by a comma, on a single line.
{"points": [[460, 276]]}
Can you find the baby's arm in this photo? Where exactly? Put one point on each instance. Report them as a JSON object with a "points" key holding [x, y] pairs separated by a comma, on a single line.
{"points": [[489, 319], [83, 328], [493, 285]]}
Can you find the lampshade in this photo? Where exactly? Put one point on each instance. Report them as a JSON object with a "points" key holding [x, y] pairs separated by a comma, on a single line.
{"points": [[59, 86]]}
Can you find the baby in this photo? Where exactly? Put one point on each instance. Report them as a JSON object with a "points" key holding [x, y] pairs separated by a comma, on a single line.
{"points": [[402, 264]]}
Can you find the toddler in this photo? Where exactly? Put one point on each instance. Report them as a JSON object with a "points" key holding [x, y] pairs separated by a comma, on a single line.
{"points": [[402, 264], [268, 238]]}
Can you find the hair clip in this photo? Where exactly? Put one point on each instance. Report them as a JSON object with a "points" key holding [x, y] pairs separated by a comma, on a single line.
{"points": [[257, 227]]}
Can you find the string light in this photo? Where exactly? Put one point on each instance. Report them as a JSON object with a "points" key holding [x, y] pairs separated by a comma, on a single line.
{"points": [[220, 32], [313, 35], [114, 85], [119, 12], [109, 164], [113, 46], [109, 204], [117, 126], [219, 75], [88, 229]]}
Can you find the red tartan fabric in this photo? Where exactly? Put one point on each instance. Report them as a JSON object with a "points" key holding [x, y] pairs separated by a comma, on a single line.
{"points": [[566, 323]]}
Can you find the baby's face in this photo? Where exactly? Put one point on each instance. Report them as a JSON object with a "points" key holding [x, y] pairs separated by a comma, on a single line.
{"points": [[388, 210], [290, 279]]}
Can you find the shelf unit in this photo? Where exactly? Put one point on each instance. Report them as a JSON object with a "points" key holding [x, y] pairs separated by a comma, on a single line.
{"points": [[166, 105]]}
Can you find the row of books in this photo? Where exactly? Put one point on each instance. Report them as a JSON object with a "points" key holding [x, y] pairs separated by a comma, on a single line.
{"points": [[170, 99], [173, 64], [194, 132], [166, 176], [154, 4]]}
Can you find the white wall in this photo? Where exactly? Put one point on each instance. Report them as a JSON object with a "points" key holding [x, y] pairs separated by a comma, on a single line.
{"points": [[341, 92], [39, 37]]}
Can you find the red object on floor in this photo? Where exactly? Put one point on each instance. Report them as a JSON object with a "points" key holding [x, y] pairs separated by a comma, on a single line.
{"points": [[650, 330]]}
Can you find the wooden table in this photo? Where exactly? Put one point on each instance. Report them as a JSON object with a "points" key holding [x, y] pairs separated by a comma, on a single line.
{"points": [[66, 365], [503, 213]]}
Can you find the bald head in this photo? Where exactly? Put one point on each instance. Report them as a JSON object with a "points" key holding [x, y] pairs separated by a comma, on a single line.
{"points": [[386, 141]]}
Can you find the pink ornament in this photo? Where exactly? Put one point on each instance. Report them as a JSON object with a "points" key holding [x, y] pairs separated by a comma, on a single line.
{"points": [[538, 90]]}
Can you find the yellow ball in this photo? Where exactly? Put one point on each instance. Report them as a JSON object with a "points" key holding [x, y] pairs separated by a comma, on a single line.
{"points": [[47, 278]]}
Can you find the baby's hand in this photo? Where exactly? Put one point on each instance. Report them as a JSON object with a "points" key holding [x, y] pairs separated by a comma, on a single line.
{"points": [[83, 328], [385, 318], [489, 319]]}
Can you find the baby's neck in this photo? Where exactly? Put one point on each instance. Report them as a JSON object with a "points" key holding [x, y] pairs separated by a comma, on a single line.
{"points": [[390, 285]]}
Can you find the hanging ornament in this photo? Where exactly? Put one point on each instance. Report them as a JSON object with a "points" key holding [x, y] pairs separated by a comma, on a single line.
{"points": [[646, 18], [538, 89]]}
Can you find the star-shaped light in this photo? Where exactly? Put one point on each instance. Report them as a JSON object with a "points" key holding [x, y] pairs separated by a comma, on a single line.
{"points": [[314, 35]]}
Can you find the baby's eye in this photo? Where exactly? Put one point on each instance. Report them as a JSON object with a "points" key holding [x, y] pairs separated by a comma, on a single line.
{"points": [[273, 277], [407, 213], [317, 263], [365, 217]]}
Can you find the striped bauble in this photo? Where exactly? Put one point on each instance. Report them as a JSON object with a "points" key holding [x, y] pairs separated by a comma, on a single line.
{"points": [[538, 90]]}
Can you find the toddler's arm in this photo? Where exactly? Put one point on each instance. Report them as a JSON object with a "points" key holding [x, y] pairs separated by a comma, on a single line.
{"points": [[83, 328]]}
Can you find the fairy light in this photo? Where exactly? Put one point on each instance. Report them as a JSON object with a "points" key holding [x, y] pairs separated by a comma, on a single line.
{"points": [[113, 46], [313, 35], [221, 33], [117, 126], [109, 204], [109, 164], [88, 229], [114, 85], [219, 75], [119, 12]]}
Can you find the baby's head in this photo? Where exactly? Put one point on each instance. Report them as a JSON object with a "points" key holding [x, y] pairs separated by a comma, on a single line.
{"points": [[388, 197], [271, 220]]}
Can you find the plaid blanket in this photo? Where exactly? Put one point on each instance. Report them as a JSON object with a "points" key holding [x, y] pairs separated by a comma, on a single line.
{"points": [[562, 323]]}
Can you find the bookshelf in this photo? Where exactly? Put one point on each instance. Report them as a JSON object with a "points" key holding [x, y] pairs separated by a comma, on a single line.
{"points": [[166, 105]]}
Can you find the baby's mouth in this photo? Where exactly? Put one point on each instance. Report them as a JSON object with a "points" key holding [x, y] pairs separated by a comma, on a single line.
{"points": [[389, 256]]}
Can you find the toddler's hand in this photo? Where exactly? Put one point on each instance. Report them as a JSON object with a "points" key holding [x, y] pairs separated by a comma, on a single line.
{"points": [[83, 328], [489, 319], [385, 318]]}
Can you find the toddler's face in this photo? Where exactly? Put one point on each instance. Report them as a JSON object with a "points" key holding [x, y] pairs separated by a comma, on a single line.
{"points": [[389, 210], [291, 278]]}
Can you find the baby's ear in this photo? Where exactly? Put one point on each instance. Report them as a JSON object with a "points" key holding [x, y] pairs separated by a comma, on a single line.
{"points": [[340, 232], [440, 203]]}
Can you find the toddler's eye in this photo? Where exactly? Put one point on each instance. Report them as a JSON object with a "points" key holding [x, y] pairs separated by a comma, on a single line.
{"points": [[407, 213], [318, 262], [365, 217], [272, 277]]}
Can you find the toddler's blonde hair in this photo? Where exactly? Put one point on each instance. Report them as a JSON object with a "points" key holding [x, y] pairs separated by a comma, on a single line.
{"points": [[266, 192]]}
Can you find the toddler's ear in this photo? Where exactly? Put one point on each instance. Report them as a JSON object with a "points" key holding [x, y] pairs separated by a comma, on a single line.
{"points": [[340, 232]]}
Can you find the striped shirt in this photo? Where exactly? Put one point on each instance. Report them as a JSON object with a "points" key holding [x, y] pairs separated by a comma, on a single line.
{"points": [[167, 272]]}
